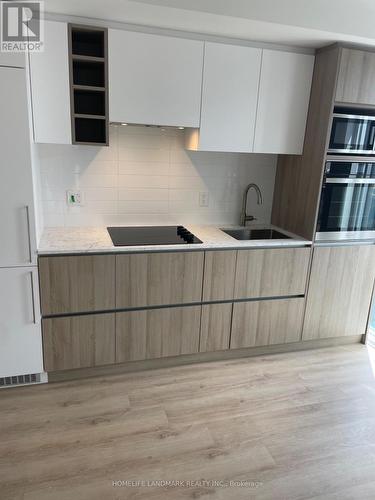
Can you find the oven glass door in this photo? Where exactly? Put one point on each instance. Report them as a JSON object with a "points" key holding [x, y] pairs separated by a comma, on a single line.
{"points": [[347, 205], [352, 134]]}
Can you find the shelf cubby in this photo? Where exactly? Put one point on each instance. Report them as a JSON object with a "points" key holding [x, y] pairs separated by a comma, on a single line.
{"points": [[88, 84], [87, 41], [89, 130], [88, 73], [89, 102]]}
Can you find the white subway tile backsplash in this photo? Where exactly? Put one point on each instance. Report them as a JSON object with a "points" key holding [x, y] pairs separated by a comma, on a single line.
{"points": [[95, 168], [144, 155], [226, 194], [143, 219], [178, 140], [53, 207], [101, 194], [97, 181], [143, 168], [99, 207], [87, 219], [197, 183], [184, 195], [183, 206], [183, 169], [202, 183], [180, 155], [140, 207], [147, 177], [57, 194], [85, 154], [53, 219], [134, 194], [144, 142], [143, 181]]}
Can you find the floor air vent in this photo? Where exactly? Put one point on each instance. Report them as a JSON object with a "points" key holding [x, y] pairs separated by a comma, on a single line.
{"points": [[33, 378]]}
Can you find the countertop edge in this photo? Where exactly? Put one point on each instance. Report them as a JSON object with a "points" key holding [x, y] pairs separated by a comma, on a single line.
{"points": [[66, 241]]}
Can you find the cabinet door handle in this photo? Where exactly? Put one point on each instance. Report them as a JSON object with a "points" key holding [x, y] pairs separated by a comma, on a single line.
{"points": [[33, 297], [372, 137], [29, 233]]}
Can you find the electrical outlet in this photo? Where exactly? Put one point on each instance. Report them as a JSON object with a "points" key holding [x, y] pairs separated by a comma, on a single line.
{"points": [[204, 199], [74, 198]]}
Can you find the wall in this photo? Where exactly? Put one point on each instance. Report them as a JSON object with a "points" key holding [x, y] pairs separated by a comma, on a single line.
{"points": [[147, 177], [303, 23]]}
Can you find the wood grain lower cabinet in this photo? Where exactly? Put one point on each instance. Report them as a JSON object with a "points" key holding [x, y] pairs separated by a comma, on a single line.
{"points": [[219, 272], [271, 272], [266, 322], [339, 295], [78, 341], [151, 279], [77, 284], [157, 333], [215, 327]]}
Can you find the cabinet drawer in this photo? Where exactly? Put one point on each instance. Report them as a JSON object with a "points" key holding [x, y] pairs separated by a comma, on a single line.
{"points": [[77, 284], [271, 272], [266, 322], [152, 279], [78, 341], [157, 333], [215, 327], [219, 271]]}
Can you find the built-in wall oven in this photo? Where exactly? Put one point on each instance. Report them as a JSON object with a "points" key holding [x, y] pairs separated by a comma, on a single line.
{"points": [[353, 132], [347, 203]]}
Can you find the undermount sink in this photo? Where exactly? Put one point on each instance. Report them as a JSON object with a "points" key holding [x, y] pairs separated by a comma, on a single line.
{"points": [[255, 234]]}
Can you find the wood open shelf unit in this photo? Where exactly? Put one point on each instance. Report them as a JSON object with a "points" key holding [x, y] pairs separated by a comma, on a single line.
{"points": [[88, 68]]}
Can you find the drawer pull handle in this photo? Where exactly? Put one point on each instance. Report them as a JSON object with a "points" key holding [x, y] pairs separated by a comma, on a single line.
{"points": [[33, 297]]}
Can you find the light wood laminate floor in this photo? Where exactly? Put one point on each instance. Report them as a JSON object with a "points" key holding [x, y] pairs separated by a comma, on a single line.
{"points": [[299, 425]]}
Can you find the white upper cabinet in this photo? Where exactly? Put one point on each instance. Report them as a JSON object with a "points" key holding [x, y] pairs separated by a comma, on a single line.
{"points": [[253, 100], [50, 91], [284, 93], [229, 97], [154, 79]]}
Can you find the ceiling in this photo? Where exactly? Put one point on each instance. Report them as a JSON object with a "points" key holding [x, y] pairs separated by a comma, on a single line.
{"points": [[308, 23]]}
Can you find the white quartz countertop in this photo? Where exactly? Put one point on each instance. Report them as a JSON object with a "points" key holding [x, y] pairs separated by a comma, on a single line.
{"points": [[77, 240]]}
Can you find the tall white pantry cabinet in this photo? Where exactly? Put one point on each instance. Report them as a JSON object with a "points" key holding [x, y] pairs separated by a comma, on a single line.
{"points": [[20, 330]]}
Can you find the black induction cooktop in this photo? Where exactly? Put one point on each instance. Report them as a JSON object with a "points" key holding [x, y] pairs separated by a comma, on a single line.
{"points": [[151, 235]]}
